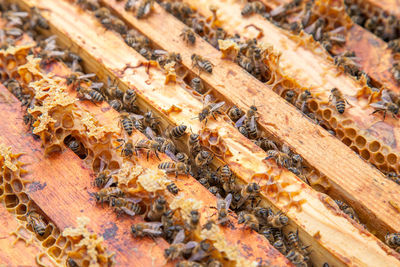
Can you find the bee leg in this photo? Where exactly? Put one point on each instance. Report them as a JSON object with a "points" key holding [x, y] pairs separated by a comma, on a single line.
{"points": [[176, 174], [148, 154], [155, 152]]}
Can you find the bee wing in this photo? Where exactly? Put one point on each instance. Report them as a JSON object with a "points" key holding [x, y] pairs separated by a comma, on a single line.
{"points": [[160, 52], [150, 133], [133, 199], [20, 14], [109, 182], [199, 255], [135, 116], [96, 85], [337, 30], [130, 213], [171, 155], [386, 96], [207, 100], [240, 121], [285, 149], [56, 53], [14, 32], [191, 244], [379, 104], [86, 76], [217, 106], [179, 238], [228, 200], [152, 231]]}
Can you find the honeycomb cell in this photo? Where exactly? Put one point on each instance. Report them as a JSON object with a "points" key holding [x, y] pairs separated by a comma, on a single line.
{"points": [[59, 133], [23, 197], [374, 146], [54, 251], [379, 158], [326, 114], [61, 241], [85, 263], [8, 188], [7, 175], [53, 149], [384, 168], [360, 141], [333, 122], [1, 180], [114, 165], [67, 121], [365, 154], [347, 141], [391, 159], [350, 132], [355, 149], [347, 122], [339, 133], [313, 105], [49, 242], [17, 186], [11, 201], [1, 191], [21, 209]]}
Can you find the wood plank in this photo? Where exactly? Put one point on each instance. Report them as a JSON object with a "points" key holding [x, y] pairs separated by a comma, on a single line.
{"points": [[65, 194], [311, 142], [138, 78]]}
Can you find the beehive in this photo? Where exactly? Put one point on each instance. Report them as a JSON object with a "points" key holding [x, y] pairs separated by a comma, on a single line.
{"points": [[296, 192]]}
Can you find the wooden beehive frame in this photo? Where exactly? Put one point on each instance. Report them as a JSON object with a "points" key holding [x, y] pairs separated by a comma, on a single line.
{"points": [[90, 54]]}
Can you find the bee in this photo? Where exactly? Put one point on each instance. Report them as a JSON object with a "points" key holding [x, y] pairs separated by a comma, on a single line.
{"points": [[246, 63], [35, 220], [77, 147], [106, 193], [267, 144], [129, 5], [249, 220], [172, 188], [394, 45], [175, 167], [177, 247], [193, 220], [250, 191], [346, 61], [290, 96], [200, 251], [389, 103], [150, 145], [209, 109], [214, 190], [394, 177], [75, 78], [152, 121], [149, 229], [38, 20], [15, 88], [182, 157], [128, 147], [197, 84], [392, 240], [126, 205], [267, 233], [102, 13], [396, 72], [194, 144], [279, 243], [101, 180], [116, 104], [277, 220], [204, 182], [302, 100], [338, 99], [225, 173], [168, 147], [253, 7], [203, 158], [251, 127], [243, 131], [163, 57], [297, 258], [347, 210], [90, 94], [71, 263], [129, 99], [231, 186], [157, 209], [201, 63], [223, 208], [262, 214], [235, 113], [113, 90], [188, 35], [293, 240], [127, 124], [176, 132], [144, 8], [282, 158]]}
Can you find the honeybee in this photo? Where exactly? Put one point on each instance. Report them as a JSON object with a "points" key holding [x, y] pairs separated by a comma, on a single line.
{"points": [[225, 172], [150, 145], [394, 177], [176, 132], [279, 243], [246, 63], [116, 104], [71, 263], [102, 13], [297, 258], [282, 158], [214, 190], [347, 210], [197, 84], [338, 100], [193, 220], [194, 144], [173, 188], [102, 179], [175, 167], [209, 109], [249, 220], [290, 96], [203, 158], [251, 127], [243, 131], [129, 99], [223, 208], [144, 8], [182, 157], [293, 240], [77, 147], [389, 103], [37, 20], [163, 57], [35, 220], [126, 205], [200, 251], [15, 88], [128, 147], [150, 229], [253, 7], [262, 214], [346, 61], [113, 90], [75, 78], [130, 5], [235, 113], [231, 186], [152, 121], [302, 100], [106, 193], [277, 220], [157, 209], [392, 240], [201, 63], [188, 35], [127, 124], [168, 147], [90, 94], [394, 45], [267, 233], [204, 182], [250, 191], [177, 247]]}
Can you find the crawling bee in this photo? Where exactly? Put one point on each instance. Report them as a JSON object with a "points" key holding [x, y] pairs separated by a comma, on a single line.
{"points": [[267, 233], [194, 144], [116, 104], [188, 35], [172, 188], [157, 209], [293, 240], [251, 127], [246, 63], [346, 61], [392, 240], [197, 84], [144, 8], [225, 172], [75, 78], [290, 96], [177, 247], [338, 100], [150, 145], [102, 13], [163, 57], [176, 132], [282, 158], [235, 113], [253, 7], [127, 124], [102, 179], [250, 191], [200, 251], [129, 99], [150, 229], [175, 167], [302, 100], [37, 20], [389, 103], [279, 243], [77, 147], [182, 157], [113, 91], [249, 220], [203, 158], [129, 5], [126, 205], [209, 109], [347, 210], [277, 220], [168, 147], [223, 208], [262, 214], [15, 88], [35, 220], [152, 121], [193, 220], [127, 150], [106, 193], [297, 258], [201, 63]]}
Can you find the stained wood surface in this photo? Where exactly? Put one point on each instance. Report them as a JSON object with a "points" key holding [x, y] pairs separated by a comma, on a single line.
{"points": [[61, 187], [102, 57]]}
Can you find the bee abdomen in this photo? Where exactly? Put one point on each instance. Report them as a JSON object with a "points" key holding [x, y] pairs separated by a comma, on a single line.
{"points": [[207, 66], [96, 96], [165, 165], [173, 188], [178, 131], [340, 106], [127, 124]]}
